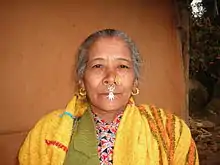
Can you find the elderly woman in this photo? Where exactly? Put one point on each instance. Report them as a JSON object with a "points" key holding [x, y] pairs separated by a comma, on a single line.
{"points": [[102, 124]]}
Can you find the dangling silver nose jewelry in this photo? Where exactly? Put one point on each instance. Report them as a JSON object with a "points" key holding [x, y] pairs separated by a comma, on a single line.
{"points": [[111, 89]]}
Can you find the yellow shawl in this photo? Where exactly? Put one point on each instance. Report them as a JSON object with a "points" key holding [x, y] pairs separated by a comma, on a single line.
{"points": [[146, 135]]}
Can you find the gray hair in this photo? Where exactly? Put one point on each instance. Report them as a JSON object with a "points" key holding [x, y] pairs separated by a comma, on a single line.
{"points": [[82, 54]]}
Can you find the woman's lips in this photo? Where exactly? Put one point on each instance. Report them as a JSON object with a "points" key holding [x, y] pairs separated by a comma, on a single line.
{"points": [[108, 93], [116, 95]]}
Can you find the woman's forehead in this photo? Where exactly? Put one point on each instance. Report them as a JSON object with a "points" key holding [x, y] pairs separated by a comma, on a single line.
{"points": [[113, 47]]}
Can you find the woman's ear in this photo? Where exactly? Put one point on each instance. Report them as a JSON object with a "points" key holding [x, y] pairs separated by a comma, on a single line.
{"points": [[135, 83], [81, 84]]}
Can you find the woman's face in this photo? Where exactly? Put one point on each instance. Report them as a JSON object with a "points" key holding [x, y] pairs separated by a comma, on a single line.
{"points": [[109, 58]]}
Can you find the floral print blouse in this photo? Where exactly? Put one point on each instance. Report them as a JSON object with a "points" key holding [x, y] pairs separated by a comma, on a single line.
{"points": [[106, 133]]}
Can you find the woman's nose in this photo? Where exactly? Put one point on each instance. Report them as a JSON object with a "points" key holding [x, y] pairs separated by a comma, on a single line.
{"points": [[109, 78]]}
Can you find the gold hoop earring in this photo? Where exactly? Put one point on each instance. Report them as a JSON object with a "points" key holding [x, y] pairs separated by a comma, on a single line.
{"points": [[82, 92], [136, 92]]}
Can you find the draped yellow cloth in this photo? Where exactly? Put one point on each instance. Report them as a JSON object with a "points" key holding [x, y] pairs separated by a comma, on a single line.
{"points": [[146, 135]]}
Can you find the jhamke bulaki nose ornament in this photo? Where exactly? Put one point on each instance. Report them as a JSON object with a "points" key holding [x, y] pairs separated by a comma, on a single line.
{"points": [[111, 95]]}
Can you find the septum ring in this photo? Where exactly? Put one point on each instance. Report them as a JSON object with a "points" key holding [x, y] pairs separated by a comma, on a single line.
{"points": [[111, 89]]}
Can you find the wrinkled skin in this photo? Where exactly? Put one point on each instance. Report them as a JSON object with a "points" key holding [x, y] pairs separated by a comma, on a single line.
{"points": [[108, 58]]}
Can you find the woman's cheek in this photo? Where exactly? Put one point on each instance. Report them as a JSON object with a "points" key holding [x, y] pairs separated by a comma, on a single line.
{"points": [[96, 73], [126, 75]]}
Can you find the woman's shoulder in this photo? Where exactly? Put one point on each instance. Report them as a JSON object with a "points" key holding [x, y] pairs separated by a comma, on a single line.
{"points": [[166, 126], [52, 114], [156, 113], [49, 120], [163, 120]]}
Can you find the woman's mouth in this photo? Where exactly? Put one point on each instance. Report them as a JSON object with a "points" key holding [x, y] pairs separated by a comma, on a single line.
{"points": [[110, 96]]}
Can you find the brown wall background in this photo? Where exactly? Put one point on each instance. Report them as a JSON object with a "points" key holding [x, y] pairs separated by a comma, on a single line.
{"points": [[37, 46]]}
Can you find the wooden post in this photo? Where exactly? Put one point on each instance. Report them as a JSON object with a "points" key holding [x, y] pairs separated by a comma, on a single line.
{"points": [[182, 14]]}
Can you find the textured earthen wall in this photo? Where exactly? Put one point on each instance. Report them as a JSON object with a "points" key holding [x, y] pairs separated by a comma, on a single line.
{"points": [[37, 46]]}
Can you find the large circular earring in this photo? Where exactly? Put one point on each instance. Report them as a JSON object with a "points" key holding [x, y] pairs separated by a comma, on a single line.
{"points": [[136, 92], [82, 92]]}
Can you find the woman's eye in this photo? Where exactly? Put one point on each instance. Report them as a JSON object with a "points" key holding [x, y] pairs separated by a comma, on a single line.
{"points": [[97, 66], [123, 66]]}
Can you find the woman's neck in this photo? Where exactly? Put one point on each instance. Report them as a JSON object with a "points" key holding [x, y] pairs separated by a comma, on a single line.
{"points": [[107, 116]]}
